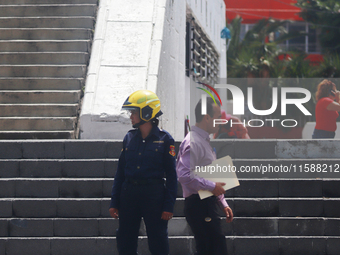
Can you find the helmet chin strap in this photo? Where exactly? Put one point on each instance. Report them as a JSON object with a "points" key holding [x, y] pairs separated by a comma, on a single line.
{"points": [[138, 124]]}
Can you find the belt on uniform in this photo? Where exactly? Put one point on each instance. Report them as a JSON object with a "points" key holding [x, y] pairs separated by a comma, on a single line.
{"points": [[145, 182]]}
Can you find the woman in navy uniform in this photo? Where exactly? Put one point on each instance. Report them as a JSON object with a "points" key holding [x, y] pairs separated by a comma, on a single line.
{"points": [[139, 189]]}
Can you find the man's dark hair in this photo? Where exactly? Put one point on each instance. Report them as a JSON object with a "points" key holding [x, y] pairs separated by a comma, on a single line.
{"points": [[210, 110]]}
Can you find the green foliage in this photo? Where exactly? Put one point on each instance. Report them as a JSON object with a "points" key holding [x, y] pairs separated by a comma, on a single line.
{"points": [[244, 55], [325, 15], [330, 67], [254, 55], [297, 66]]}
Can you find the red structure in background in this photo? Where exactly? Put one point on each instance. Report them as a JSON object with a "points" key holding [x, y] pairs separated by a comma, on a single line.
{"points": [[315, 59], [252, 11]]}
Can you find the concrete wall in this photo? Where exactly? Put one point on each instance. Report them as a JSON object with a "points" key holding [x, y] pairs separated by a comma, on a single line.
{"points": [[140, 44], [308, 130], [169, 82]]}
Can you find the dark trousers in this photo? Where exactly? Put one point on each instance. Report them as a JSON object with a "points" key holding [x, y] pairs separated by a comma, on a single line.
{"points": [[137, 201], [322, 134], [204, 221]]}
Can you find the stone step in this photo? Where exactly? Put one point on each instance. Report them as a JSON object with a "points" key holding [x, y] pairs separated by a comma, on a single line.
{"points": [[25, 2], [278, 207], [47, 22], [45, 33], [34, 176], [179, 245], [326, 157], [37, 124], [280, 226], [15, 135], [74, 71], [283, 245], [275, 185], [285, 207], [317, 150], [63, 245], [39, 41], [40, 83], [277, 148], [54, 207], [49, 58], [39, 110], [100, 227], [36, 10], [276, 168], [55, 188], [44, 46], [55, 200], [59, 227], [286, 188], [39, 97], [60, 149], [98, 207], [56, 168]]}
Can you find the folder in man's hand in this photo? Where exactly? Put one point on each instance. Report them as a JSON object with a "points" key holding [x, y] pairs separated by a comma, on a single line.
{"points": [[220, 170]]}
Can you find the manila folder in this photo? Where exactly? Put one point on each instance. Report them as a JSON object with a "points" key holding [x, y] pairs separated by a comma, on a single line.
{"points": [[224, 174]]}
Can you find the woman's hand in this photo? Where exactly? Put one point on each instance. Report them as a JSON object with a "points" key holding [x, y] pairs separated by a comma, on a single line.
{"points": [[114, 213], [167, 215], [337, 96]]}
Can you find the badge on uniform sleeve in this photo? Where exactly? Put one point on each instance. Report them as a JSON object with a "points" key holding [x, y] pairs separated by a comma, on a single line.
{"points": [[172, 150]]}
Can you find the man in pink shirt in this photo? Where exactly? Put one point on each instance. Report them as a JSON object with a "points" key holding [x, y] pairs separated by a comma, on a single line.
{"points": [[202, 215]]}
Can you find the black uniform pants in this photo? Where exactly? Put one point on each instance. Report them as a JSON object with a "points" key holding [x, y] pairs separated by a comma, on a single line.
{"points": [[204, 221], [137, 201]]}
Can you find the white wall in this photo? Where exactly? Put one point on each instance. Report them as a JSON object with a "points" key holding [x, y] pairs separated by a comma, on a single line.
{"points": [[205, 11], [171, 69], [210, 15]]}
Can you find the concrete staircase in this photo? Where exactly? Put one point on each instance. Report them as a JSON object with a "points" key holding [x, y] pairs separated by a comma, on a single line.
{"points": [[55, 196], [44, 53]]}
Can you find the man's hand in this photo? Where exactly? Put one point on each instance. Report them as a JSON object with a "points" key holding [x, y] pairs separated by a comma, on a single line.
{"points": [[229, 214], [114, 213], [218, 190], [167, 215]]}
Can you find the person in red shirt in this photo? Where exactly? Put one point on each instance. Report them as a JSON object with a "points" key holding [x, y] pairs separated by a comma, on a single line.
{"points": [[326, 110]]}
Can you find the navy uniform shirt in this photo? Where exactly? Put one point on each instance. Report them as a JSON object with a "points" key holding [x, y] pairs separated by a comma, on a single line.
{"points": [[149, 158]]}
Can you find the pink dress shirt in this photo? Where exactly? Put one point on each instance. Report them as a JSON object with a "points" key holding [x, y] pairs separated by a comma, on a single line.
{"points": [[195, 150]]}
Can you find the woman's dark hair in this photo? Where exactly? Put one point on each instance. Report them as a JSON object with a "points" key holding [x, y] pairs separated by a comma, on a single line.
{"points": [[210, 110], [323, 89]]}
